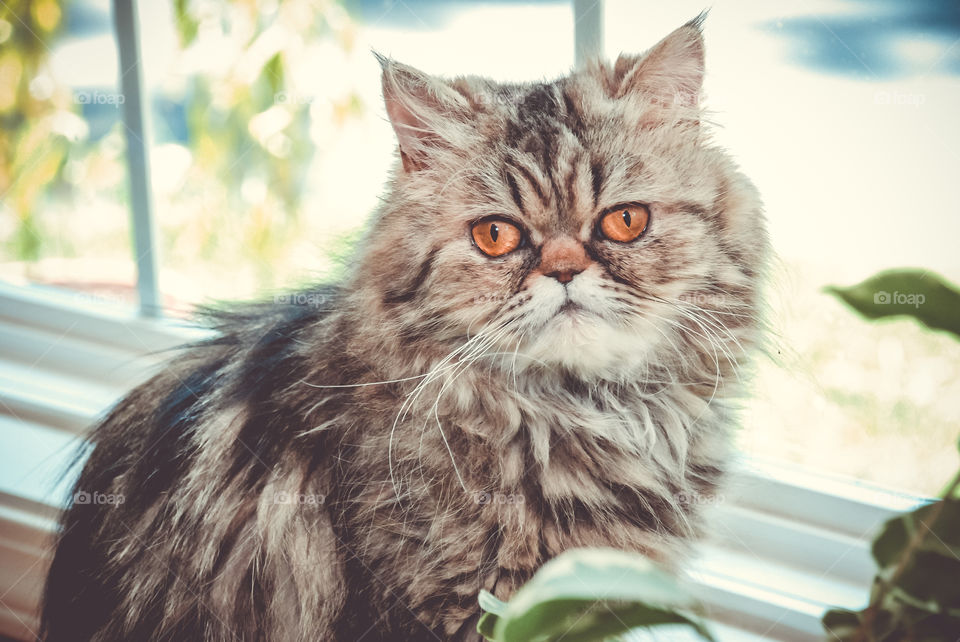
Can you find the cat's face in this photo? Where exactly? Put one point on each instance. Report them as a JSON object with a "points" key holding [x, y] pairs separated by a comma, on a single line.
{"points": [[585, 223]]}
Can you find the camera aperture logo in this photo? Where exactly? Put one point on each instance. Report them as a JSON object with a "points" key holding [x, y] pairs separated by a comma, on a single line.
{"points": [[898, 298], [97, 498]]}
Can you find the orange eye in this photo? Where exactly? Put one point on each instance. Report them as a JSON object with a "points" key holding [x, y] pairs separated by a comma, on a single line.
{"points": [[625, 222], [496, 236]]}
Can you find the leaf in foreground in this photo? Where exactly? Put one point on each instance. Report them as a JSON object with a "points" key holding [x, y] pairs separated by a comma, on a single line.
{"points": [[590, 594], [920, 294]]}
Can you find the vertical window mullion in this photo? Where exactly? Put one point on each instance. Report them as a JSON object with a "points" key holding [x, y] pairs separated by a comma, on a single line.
{"points": [[587, 31], [138, 157]]}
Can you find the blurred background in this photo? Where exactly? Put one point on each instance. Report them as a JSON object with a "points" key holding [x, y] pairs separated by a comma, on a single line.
{"points": [[269, 147]]}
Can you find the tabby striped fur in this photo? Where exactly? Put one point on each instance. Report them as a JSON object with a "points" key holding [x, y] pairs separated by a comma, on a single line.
{"points": [[360, 469]]}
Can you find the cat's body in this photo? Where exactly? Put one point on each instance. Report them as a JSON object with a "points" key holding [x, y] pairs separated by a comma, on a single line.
{"points": [[443, 421]]}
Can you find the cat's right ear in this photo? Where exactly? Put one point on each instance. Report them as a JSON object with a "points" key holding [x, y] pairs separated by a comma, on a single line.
{"points": [[427, 115]]}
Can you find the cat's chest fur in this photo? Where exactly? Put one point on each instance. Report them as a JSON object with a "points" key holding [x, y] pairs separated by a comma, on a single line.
{"points": [[484, 478]]}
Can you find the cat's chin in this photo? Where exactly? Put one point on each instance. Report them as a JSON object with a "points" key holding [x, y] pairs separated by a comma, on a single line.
{"points": [[585, 343]]}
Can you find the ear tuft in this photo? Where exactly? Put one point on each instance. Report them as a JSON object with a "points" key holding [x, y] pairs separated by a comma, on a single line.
{"points": [[697, 21], [422, 109]]}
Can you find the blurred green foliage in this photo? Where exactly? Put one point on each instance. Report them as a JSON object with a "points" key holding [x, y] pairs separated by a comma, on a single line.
{"points": [[916, 592], [249, 127], [34, 133], [248, 145]]}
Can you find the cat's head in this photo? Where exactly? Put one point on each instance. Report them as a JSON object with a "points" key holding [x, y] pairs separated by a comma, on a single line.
{"points": [[585, 223]]}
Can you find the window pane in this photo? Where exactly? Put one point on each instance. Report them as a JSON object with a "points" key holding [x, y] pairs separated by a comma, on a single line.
{"points": [[63, 182], [844, 115], [271, 144]]}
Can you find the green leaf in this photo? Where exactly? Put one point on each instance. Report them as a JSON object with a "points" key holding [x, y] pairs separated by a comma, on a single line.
{"points": [[920, 294], [945, 536], [928, 580], [605, 620], [891, 542], [931, 581], [487, 625], [913, 598], [273, 73], [490, 603], [187, 26], [590, 594], [931, 626]]}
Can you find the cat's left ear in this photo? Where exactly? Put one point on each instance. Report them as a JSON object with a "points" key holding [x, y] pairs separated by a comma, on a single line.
{"points": [[669, 74], [427, 114]]}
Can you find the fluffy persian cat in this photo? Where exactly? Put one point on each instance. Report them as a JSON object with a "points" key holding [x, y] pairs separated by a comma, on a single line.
{"points": [[535, 348]]}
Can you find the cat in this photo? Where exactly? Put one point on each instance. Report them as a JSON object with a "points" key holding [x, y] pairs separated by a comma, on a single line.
{"points": [[536, 347]]}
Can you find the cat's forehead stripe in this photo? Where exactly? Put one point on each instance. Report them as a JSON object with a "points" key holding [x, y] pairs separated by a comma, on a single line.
{"points": [[546, 129]]}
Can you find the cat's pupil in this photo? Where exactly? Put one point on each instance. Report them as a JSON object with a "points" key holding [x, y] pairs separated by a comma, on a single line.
{"points": [[626, 217], [494, 232]]}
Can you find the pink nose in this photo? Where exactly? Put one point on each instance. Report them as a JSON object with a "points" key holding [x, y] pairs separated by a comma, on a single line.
{"points": [[563, 259], [564, 276]]}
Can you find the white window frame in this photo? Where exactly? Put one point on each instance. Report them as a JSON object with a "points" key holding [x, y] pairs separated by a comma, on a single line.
{"points": [[136, 121], [788, 542]]}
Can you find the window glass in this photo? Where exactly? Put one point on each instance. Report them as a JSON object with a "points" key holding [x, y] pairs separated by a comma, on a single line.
{"points": [[271, 144], [269, 148], [844, 115], [63, 182]]}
